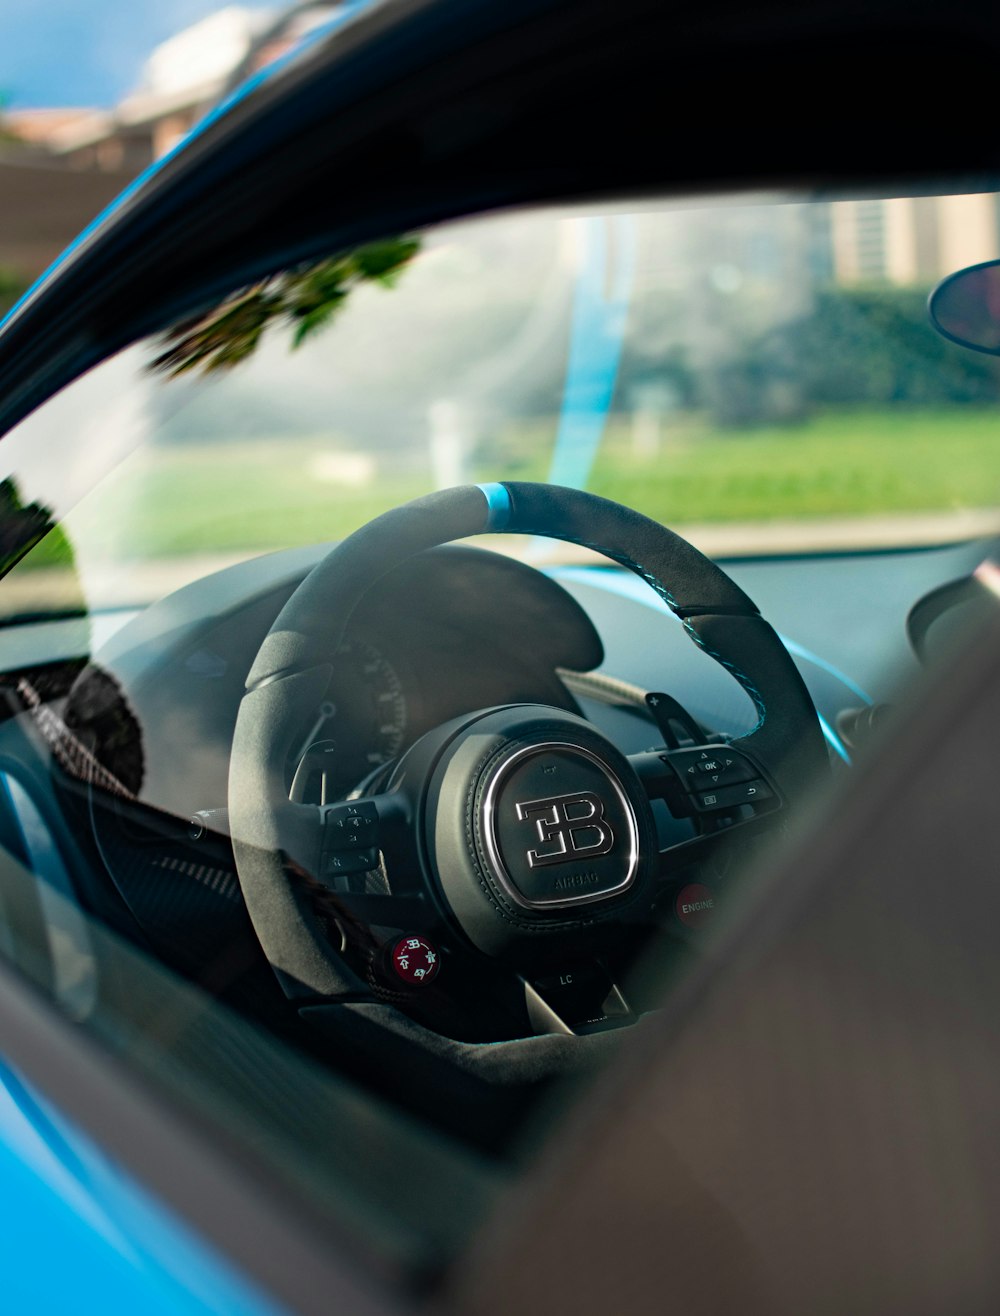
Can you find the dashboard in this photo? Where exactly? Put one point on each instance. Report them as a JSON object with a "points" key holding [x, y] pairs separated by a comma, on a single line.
{"points": [[454, 630]]}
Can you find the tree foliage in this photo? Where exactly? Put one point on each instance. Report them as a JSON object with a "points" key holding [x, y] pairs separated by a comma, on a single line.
{"points": [[870, 346], [305, 299], [28, 526]]}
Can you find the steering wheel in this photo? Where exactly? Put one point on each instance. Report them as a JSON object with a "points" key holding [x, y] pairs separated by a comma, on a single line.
{"points": [[515, 843]]}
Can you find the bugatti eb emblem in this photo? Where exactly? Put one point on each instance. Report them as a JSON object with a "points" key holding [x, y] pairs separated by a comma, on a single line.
{"points": [[567, 827]]}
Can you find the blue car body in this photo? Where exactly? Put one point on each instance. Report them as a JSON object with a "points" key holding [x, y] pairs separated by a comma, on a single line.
{"points": [[82, 1230], [79, 1232]]}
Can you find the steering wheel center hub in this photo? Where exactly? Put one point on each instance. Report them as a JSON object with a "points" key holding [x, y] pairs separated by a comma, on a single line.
{"points": [[539, 836], [558, 828]]}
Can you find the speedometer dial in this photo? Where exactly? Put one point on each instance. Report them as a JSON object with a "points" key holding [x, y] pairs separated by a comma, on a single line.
{"points": [[360, 725], [380, 694]]}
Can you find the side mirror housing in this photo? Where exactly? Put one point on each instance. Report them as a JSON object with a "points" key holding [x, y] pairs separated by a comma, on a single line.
{"points": [[965, 307]]}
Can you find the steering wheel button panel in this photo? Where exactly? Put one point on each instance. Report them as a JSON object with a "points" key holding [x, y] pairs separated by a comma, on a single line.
{"points": [[350, 833], [729, 797], [713, 765], [351, 824], [350, 861], [350, 837]]}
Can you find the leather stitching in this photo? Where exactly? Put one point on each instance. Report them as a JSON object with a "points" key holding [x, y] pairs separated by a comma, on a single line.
{"points": [[658, 587]]}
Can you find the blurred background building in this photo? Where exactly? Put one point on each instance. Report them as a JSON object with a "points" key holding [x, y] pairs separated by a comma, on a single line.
{"points": [[60, 167], [912, 240]]}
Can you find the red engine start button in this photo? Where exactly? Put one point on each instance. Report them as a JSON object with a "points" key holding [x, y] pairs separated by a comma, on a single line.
{"points": [[416, 961], [695, 905]]}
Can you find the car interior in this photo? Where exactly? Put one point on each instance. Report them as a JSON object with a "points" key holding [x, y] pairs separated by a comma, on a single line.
{"points": [[492, 729], [378, 746]]}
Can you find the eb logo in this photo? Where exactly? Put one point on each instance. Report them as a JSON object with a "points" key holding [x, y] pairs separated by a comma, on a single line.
{"points": [[568, 827]]}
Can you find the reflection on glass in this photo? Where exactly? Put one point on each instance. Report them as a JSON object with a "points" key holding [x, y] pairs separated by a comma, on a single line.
{"points": [[762, 377], [726, 369]]}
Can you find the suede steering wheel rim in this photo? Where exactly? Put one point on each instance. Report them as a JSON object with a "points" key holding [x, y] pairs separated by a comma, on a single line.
{"points": [[293, 666]]}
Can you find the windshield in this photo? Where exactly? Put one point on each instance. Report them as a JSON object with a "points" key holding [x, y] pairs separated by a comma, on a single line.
{"points": [[761, 375], [343, 928]]}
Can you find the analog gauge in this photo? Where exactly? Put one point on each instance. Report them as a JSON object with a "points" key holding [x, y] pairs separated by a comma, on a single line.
{"points": [[359, 726], [382, 701]]}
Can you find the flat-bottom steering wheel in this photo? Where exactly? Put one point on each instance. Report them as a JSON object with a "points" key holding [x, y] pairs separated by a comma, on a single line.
{"points": [[515, 838]]}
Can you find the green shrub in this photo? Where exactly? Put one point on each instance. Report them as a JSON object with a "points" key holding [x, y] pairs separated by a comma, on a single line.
{"points": [[857, 347]]}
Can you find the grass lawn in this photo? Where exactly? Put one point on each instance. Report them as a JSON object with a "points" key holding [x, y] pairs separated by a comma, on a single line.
{"points": [[227, 498], [839, 464], [255, 496]]}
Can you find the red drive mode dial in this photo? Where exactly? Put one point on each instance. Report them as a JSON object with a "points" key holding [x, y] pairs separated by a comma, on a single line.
{"points": [[415, 961]]}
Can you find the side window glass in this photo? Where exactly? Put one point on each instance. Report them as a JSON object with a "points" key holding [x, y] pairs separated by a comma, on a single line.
{"points": [[366, 844]]}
